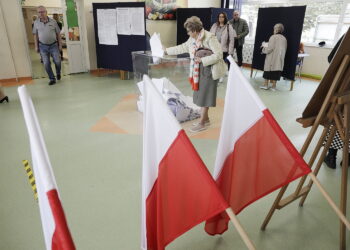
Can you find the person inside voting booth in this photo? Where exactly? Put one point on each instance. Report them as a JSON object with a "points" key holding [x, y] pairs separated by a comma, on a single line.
{"points": [[275, 51]]}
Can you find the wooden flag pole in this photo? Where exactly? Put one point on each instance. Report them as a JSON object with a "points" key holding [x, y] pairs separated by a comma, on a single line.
{"points": [[330, 201], [240, 229]]}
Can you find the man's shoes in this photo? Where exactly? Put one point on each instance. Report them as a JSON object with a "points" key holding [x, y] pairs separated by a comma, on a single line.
{"points": [[58, 77], [52, 82]]}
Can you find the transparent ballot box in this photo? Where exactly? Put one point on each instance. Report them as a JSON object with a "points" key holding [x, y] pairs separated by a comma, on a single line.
{"points": [[170, 75]]}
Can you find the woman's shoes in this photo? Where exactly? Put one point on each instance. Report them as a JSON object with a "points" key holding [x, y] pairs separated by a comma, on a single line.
{"points": [[206, 123], [197, 128], [264, 87], [6, 98]]}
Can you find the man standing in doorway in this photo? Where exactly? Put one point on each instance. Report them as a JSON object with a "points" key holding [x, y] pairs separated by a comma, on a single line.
{"points": [[241, 27], [47, 41]]}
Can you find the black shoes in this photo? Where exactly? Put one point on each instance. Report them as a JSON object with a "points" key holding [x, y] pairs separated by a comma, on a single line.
{"points": [[6, 98], [330, 161], [52, 82], [331, 158], [58, 77]]}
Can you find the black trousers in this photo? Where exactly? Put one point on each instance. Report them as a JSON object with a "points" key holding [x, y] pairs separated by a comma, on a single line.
{"points": [[239, 50]]}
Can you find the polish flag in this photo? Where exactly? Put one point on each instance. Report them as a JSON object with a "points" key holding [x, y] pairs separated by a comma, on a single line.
{"points": [[178, 192], [254, 155], [56, 232]]}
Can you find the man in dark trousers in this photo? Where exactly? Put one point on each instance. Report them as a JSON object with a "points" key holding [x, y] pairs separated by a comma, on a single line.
{"points": [[47, 42], [241, 27]]}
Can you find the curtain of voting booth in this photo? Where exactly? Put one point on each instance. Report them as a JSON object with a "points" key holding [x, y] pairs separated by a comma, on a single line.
{"points": [[293, 19], [119, 30], [208, 17]]}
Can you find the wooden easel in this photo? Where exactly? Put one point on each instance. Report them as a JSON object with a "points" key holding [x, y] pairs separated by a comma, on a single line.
{"points": [[291, 81], [330, 105]]}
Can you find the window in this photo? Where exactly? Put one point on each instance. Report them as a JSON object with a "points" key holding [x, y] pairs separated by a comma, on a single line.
{"points": [[324, 20]]}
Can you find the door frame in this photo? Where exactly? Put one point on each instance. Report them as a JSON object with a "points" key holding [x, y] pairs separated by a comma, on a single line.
{"points": [[81, 23], [29, 60]]}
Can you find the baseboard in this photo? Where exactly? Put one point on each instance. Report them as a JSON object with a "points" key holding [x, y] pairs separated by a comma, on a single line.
{"points": [[311, 76], [102, 72], [14, 82]]}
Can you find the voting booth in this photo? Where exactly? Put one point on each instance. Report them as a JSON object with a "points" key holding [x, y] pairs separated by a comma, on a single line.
{"points": [[120, 29]]}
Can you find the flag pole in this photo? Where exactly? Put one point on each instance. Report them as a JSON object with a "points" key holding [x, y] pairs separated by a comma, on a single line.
{"points": [[330, 201], [240, 229]]}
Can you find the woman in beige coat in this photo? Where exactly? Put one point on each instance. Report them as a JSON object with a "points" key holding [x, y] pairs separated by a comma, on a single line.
{"points": [[207, 66], [225, 34], [275, 52]]}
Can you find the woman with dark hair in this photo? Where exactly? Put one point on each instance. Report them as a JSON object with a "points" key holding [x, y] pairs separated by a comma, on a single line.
{"points": [[275, 52], [206, 67], [225, 34]]}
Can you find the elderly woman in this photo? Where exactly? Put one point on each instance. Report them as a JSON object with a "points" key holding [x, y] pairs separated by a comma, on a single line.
{"points": [[3, 97], [275, 51], [206, 67], [225, 34]]}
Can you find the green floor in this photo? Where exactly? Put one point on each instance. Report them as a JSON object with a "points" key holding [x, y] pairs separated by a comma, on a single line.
{"points": [[99, 174]]}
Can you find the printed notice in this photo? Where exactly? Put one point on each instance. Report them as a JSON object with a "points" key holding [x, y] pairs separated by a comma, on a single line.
{"points": [[137, 16], [107, 26], [123, 21]]}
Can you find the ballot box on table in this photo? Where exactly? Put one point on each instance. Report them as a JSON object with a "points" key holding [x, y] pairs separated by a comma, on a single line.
{"points": [[170, 75]]}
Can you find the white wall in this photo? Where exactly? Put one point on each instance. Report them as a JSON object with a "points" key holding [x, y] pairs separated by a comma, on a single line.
{"points": [[316, 63], [7, 69], [167, 30], [46, 3], [12, 18], [204, 3]]}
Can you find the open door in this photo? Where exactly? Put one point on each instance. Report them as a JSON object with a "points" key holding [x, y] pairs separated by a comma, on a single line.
{"points": [[73, 34]]}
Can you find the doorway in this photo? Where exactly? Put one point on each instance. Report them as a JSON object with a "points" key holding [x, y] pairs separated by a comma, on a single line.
{"points": [[29, 16]]}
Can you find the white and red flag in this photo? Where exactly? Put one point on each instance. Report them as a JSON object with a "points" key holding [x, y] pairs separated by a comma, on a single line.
{"points": [[178, 192], [56, 232], [254, 155]]}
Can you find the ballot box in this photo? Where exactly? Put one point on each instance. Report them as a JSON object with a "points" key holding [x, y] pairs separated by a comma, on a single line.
{"points": [[174, 68], [170, 75]]}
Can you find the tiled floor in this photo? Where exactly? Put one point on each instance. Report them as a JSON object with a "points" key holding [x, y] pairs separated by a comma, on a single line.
{"points": [[96, 151]]}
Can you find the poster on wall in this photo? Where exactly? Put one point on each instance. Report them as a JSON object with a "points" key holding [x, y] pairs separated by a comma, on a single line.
{"points": [[163, 9]]}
